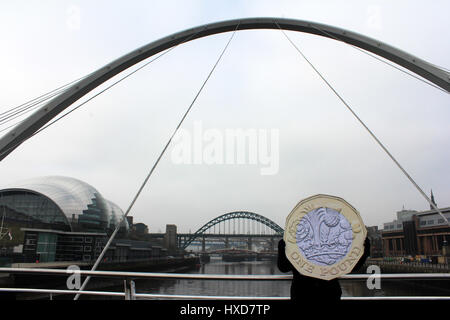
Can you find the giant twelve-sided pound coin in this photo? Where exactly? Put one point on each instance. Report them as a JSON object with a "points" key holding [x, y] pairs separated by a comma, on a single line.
{"points": [[324, 237]]}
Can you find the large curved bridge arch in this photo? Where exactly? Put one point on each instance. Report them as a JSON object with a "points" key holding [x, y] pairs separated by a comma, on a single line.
{"points": [[29, 126], [230, 216]]}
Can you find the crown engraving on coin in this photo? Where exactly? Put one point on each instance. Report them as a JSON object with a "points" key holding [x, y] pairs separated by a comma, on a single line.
{"points": [[324, 237]]}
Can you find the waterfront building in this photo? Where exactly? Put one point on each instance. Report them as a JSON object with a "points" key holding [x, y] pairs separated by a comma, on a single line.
{"points": [[170, 238], [376, 242], [59, 203], [64, 219], [130, 221], [140, 228], [416, 233], [47, 245]]}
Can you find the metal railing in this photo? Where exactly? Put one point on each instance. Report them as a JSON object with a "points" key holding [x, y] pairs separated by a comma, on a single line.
{"points": [[129, 292], [424, 265]]}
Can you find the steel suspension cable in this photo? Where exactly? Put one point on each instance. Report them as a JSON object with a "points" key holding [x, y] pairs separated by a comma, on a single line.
{"points": [[96, 95], [100, 257], [31, 105], [384, 61], [83, 103], [14, 113], [365, 126], [28, 109], [42, 97]]}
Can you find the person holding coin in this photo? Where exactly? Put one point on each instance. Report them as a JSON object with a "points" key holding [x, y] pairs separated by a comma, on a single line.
{"points": [[324, 239], [304, 288]]}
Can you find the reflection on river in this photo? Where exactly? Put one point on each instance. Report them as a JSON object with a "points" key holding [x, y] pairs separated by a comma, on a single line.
{"points": [[279, 288], [275, 288], [222, 287]]}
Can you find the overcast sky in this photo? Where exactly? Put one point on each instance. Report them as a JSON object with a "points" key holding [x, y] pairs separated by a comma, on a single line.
{"points": [[261, 83]]}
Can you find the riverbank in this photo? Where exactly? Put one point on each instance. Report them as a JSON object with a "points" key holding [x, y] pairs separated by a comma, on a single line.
{"points": [[408, 267], [166, 265]]}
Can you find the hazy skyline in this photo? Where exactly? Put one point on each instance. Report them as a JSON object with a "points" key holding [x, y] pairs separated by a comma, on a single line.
{"points": [[262, 83]]}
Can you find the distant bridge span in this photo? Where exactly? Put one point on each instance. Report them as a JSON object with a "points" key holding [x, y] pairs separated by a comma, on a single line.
{"points": [[232, 250], [231, 216], [51, 109]]}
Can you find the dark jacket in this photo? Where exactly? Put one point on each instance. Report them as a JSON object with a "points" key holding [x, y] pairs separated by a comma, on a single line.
{"points": [[312, 289]]}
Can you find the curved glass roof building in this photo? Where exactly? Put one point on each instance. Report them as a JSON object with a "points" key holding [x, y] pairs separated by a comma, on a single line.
{"points": [[60, 203], [116, 216]]}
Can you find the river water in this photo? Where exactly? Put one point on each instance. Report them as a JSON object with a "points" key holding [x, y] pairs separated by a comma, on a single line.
{"points": [[222, 287], [276, 288], [236, 288]]}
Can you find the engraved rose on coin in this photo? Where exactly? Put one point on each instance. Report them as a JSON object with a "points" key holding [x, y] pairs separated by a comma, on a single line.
{"points": [[324, 236]]}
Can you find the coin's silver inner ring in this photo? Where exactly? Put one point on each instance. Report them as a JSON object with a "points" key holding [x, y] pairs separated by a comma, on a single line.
{"points": [[324, 236]]}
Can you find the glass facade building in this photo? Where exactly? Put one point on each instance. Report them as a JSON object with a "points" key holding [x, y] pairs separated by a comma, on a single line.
{"points": [[59, 203], [116, 215], [60, 219]]}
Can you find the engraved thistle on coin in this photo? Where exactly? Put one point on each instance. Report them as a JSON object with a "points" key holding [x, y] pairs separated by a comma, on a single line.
{"points": [[324, 236]]}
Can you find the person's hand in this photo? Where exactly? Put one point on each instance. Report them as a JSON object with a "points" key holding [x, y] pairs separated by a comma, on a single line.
{"points": [[367, 247], [283, 263], [364, 256], [281, 245]]}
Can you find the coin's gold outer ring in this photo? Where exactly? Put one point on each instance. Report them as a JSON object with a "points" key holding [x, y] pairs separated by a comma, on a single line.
{"points": [[343, 266]]}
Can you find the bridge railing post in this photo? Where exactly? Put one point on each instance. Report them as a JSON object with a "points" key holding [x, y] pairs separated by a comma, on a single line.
{"points": [[129, 289]]}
